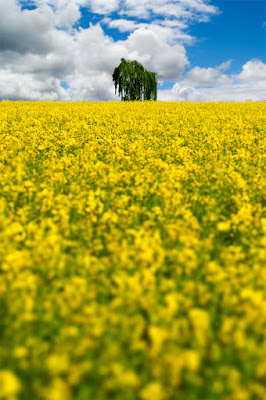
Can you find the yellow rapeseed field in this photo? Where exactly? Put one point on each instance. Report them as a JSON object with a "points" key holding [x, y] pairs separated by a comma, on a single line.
{"points": [[132, 251]]}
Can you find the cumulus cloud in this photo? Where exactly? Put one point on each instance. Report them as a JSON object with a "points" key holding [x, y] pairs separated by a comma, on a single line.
{"points": [[253, 70], [98, 54], [226, 93], [104, 6], [67, 15], [155, 54], [34, 55], [225, 65], [35, 52], [169, 32], [179, 92], [15, 86], [210, 84], [27, 31], [188, 9], [206, 77], [123, 25]]}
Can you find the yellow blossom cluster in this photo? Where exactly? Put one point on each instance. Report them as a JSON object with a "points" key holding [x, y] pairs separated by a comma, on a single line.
{"points": [[132, 251]]}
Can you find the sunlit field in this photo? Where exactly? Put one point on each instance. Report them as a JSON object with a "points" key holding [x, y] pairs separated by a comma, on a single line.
{"points": [[132, 251]]}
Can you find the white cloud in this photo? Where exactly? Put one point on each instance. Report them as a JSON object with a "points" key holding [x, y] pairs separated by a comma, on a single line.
{"points": [[34, 52], [253, 70], [179, 93], [104, 6], [170, 33], [92, 88], [67, 15], [171, 23], [232, 93], [169, 8], [207, 77], [225, 65], [209, 84], [16, 86], [155, 54], [123, 25], [27, 31]]}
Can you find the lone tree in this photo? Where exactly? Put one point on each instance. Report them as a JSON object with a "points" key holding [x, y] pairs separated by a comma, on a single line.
{"points": [[134, 82]]}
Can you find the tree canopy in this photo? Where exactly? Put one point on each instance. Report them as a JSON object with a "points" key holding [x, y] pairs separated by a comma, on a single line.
{"points": [[134, 82]]}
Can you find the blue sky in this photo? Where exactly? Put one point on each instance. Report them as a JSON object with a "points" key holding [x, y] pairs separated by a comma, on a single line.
{"points": [[202, 50], [237, 33]]}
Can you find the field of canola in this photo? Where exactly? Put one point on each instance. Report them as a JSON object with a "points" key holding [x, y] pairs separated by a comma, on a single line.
{"points": [[132, 251]]}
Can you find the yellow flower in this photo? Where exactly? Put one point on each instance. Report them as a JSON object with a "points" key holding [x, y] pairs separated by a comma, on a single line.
{"points": [[157, 335], [9, 385], [58, 390], [20, 352], [110, 217], [153, 390], [224, 226], [191, 360], [57, 363]]}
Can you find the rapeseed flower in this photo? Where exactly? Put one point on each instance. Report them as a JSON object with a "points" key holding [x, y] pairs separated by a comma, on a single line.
{"points": [[132, 251]]}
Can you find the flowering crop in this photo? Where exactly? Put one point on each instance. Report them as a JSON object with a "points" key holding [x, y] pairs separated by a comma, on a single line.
{"points": [[132, 257]]}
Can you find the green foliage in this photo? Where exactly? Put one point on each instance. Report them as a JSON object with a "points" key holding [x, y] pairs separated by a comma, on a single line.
{"points": [[134, 82]]}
